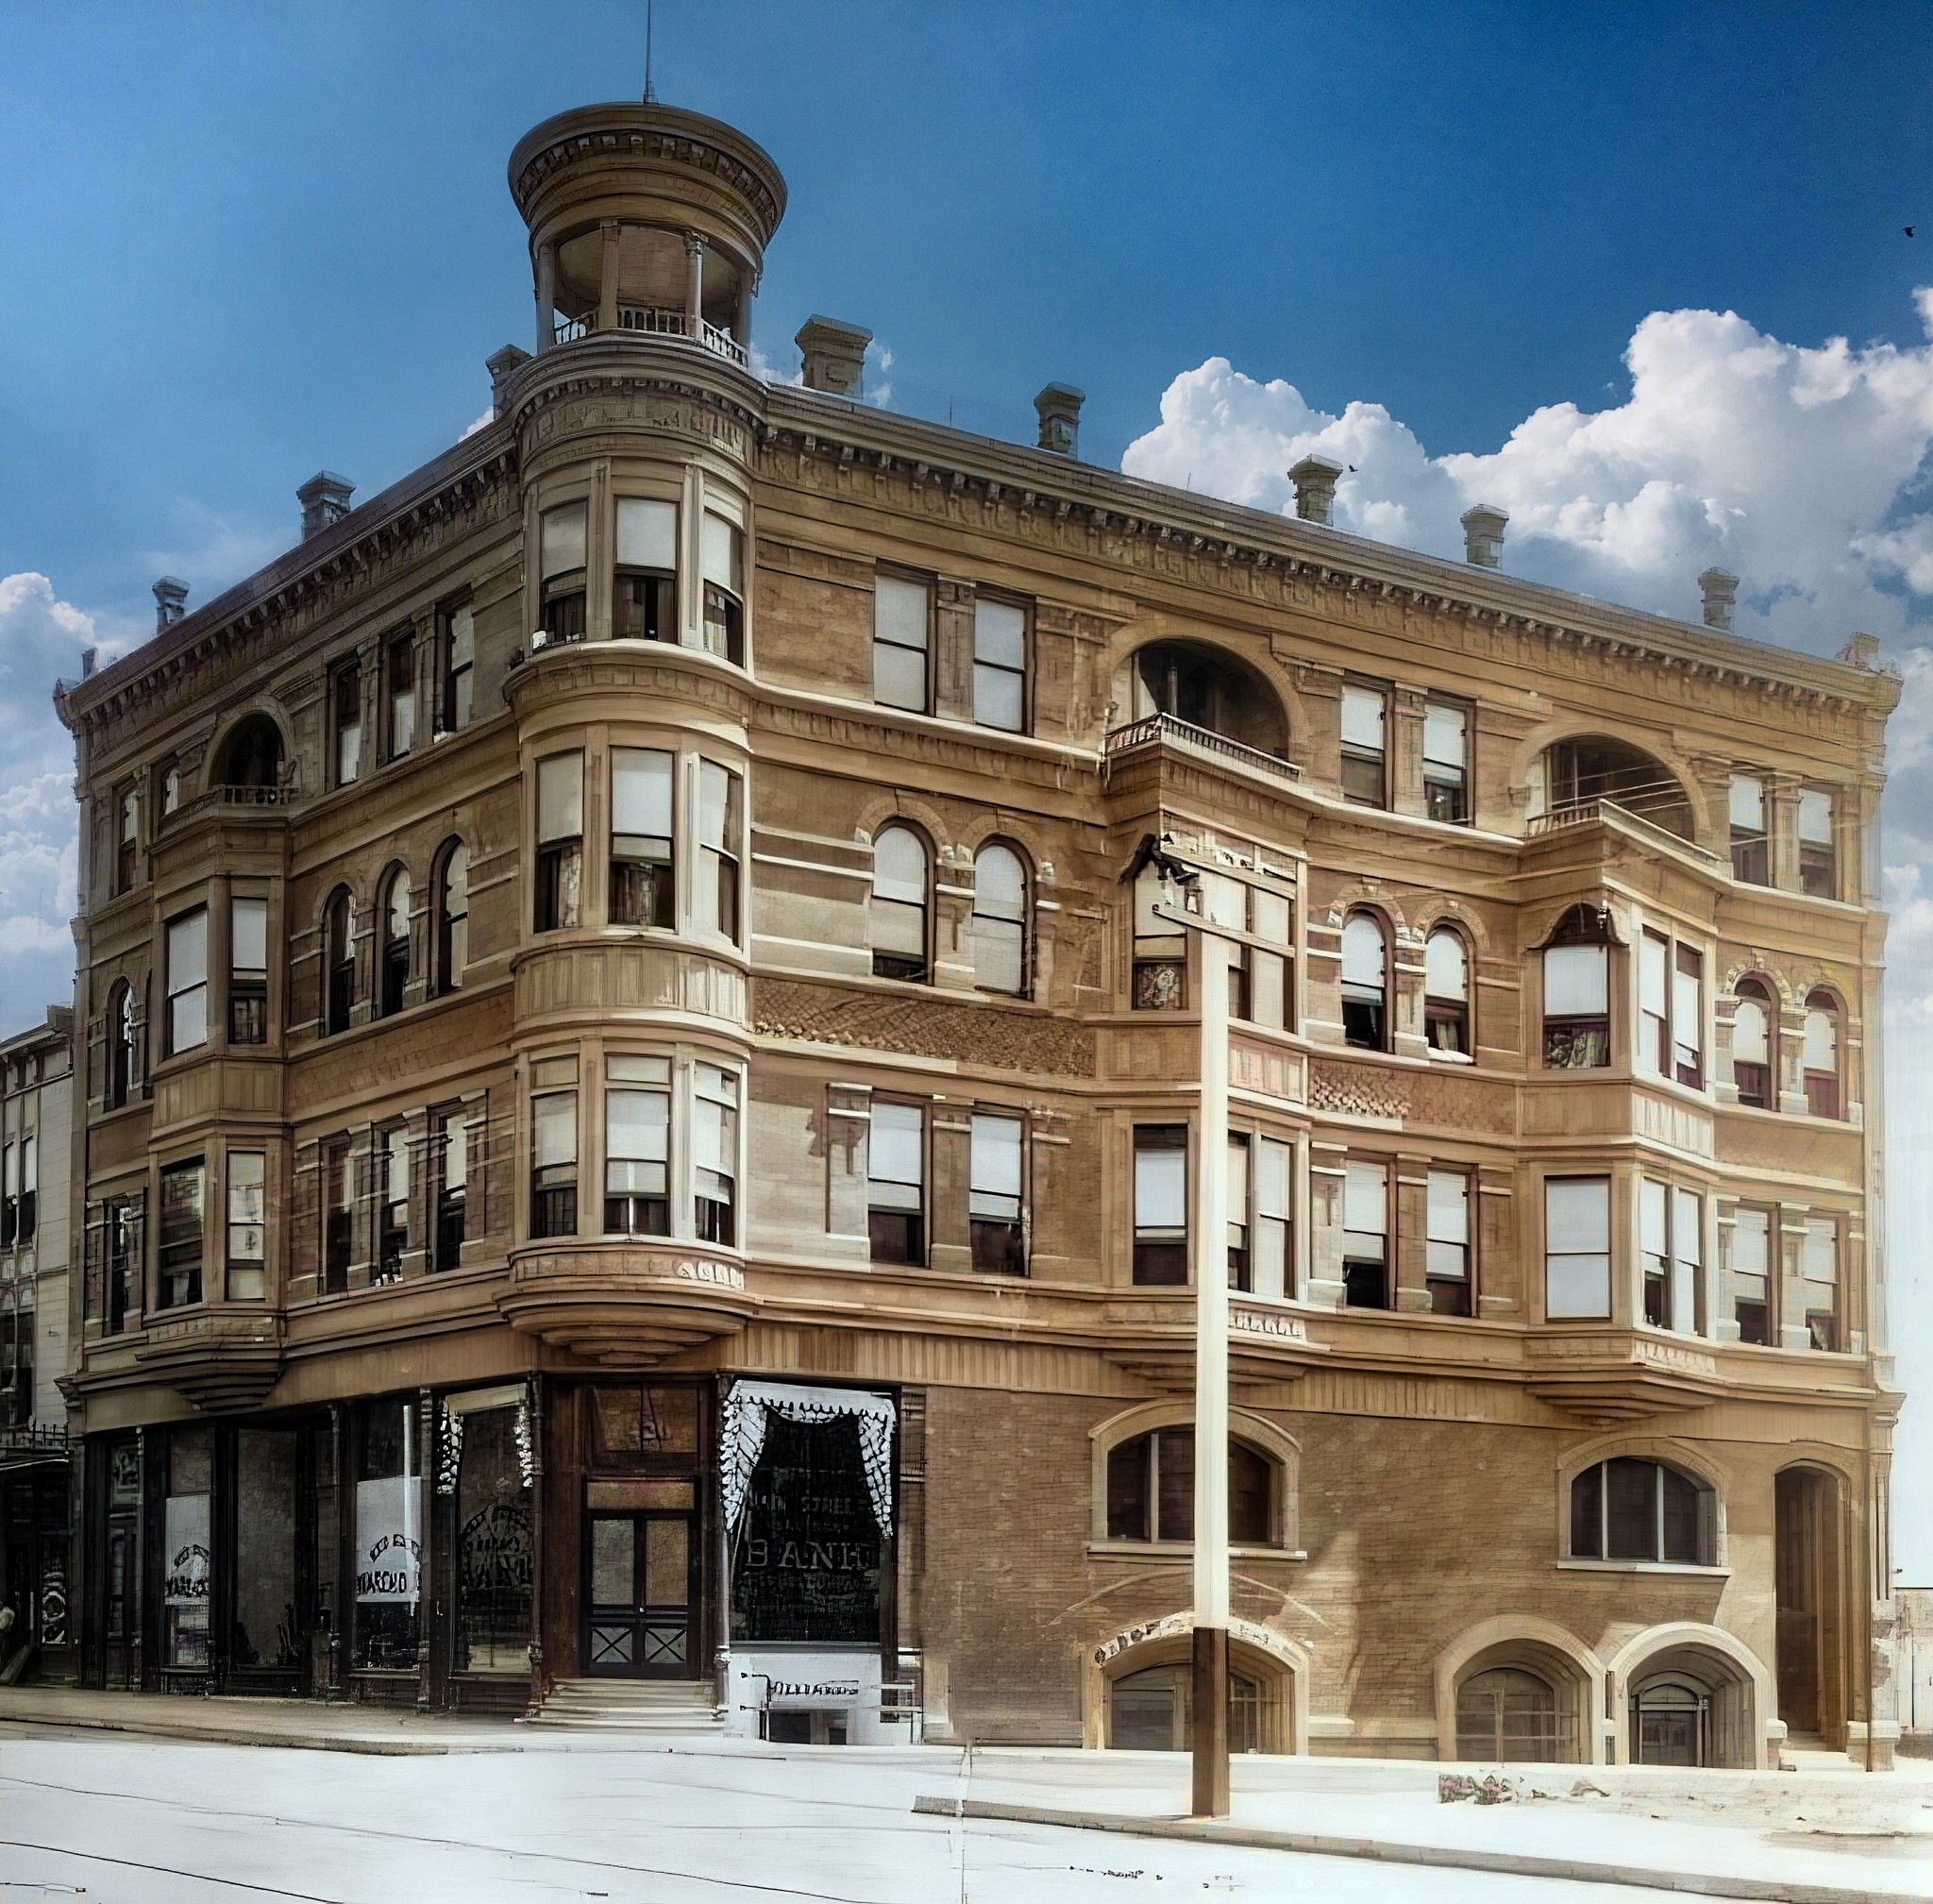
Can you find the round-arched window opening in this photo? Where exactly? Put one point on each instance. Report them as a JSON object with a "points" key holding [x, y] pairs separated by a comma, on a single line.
{"points": [[1209, 689], [1591, 768], [1755, 1039], [1507, 1716], [1152, 1711], [252, 755]]}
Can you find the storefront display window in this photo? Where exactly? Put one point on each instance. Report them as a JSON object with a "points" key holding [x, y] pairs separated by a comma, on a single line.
{"points": [[389, 1539], [493, 1544], [266, 1626], [185, 1552]]}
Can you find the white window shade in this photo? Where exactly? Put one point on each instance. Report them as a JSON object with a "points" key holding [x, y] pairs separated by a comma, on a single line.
{"points": [[999, 883], [637, 1126], [1815, 819], [901, 611], [996, 1156], [561, 796], [248, 934], [1819, 1253], [1747, 803], [1445, 968], [897, 1153], [462, 638], [1688, 1226], [1271, 916], [456, 1151], [640, 792], [716, 824], [563, 539], [1577, 981], [1449, 1207], [715, 1134], [1000, 633], [1751, 1042], [1366, 1199], [1654, 1218], [1752, 1243], [1445, 736], [1687, 1011], [1653, 965], [722, 552], [1821, 1042], [898, 866], [1362, 719], [554, 1128], [1362, 952], [1271, 1178], [647, 533], [1225, 901], [1161, 1190], [187, 951], [1577, 1216], [1238, 1206]]}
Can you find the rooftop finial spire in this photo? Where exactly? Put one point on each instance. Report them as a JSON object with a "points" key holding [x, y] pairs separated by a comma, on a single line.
{"points": [[650, 96]]}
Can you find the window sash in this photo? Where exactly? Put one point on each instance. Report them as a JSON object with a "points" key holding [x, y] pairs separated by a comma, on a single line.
{"points": [[1446, 966], [899, 866], [1446, 738], [721, 553], [647, 533], [995, 1167], [1366, 1199], [1751, 1033], [560, 796], [640, 794], [1815, 819], [1364, 952], [896, 1156], [554, 1129], [1364, 713], [902, 614], [1745, 804], [1577, 981], [563, 538], [1161, 1182], [248, 937]]}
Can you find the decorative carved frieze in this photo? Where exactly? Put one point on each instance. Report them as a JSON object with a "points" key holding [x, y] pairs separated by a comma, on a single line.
{"points": [[625, 1302], [1442, 1098], [923, 1027]]}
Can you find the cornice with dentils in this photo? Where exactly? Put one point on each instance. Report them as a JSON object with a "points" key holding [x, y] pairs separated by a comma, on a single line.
{"points": [[1031, 479]]}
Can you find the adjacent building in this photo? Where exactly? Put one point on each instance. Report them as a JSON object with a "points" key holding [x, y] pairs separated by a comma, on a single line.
{"points": [[641, 1094]]}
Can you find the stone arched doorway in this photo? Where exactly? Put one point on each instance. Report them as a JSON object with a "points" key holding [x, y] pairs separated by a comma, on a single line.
{"points": [[1516, 1689], [1693, 1704], [1809, 1578], [1140, 1692]]}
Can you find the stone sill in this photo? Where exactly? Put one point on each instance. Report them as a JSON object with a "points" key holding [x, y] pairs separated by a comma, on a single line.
{"points": [[1678, 1568], [1182, 1550]]}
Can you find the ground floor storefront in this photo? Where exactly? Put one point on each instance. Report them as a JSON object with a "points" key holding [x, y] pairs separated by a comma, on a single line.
{"points": [[37, 1634]]}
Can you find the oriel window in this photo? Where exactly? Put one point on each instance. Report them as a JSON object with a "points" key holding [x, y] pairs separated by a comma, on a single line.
{"points": [[1671, 1242], [1818, 862], [1750, 847], [1577, 993], [1446, 762], [399, 684], [1577, 1248], [563, 543], [560, 841], [999, 665], [247, 972], [345, 703], [1161, 1204], [720, 824], [1447, 1250], [554, 1164], [896, 1187], [1160, 952], [637, 1146], [188, 980], [723, 557], [184, 1189], [994, 1207], [1365, 719], [643, 603], [714, 1154], [247, 1226], [901, 632], [642, 880]]}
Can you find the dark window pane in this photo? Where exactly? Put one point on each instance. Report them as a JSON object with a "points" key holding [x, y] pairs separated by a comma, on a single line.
{"points": [[1587, 1507], [1248, 1496], [1174, 1466], [1127, 1489], [1681, 1518], [1633, 1510]]}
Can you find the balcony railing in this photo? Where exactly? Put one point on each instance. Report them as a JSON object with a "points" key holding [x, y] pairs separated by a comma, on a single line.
{"points": [[656, 320], [1154, 729], [1582, 812], [212, 797]]}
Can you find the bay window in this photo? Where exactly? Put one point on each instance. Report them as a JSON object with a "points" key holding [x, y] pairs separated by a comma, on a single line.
{"points": [[1670, 1009], [562, 547], [643, 854], [714, 1154], [1366, 1235], [637, 1146], [643, 603], [1753, 1231], [247, 972], [896, 1183], [902, 636], [1365, 720], [1577, 1248], [1160, 964], [554, 1152], [560, 841], [247, 1256], [719, 821], [188, 981], [994, 1193], [184, 1189], [1446, 1261], [1577, 992], [1257, 975], [999, 665], [1671, 1233], [722, 556], [1161, 1204]]}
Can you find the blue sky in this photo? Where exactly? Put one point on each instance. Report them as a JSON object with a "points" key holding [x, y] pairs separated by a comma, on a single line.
{"points": [[241, 243]]}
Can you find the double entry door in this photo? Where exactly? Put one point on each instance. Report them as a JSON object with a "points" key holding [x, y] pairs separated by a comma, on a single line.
{"points": [[641, 1575]]}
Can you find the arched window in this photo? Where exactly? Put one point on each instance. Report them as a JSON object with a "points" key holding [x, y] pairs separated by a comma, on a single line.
{"points": [[1754, 1044], [1507, 1716], [1575, 775], [999, 927], [1446, 993], [1208, 688], [452, 918], [339, 963], [897, 917], [1578, 991], [123, 1030], [395, 965], [1152, 1711], [1821, 1055], [1150, 1490], [1365, 982], [1631, 1509], [251, 758]]}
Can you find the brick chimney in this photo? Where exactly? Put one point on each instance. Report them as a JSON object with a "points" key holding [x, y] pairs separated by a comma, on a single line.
{"points": [[171, 594], [1720, 591], [1314, 488], [834, 356], [1059, 409], [1482, 535], [325, 499]]}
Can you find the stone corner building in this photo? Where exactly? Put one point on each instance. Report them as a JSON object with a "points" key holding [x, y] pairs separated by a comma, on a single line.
{"points": [[639, 1112]]}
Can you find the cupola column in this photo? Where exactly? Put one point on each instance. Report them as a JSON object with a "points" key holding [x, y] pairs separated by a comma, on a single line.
{"points": [[607, 277], [546, 295], [695, 289]]}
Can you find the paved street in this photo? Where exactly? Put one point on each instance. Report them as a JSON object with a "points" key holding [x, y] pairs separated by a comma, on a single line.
{"points": [[179, 1823]]}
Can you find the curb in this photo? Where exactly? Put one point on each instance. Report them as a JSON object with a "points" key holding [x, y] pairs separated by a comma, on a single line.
{"points": [[219, 1735], [1503, 1864]]}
